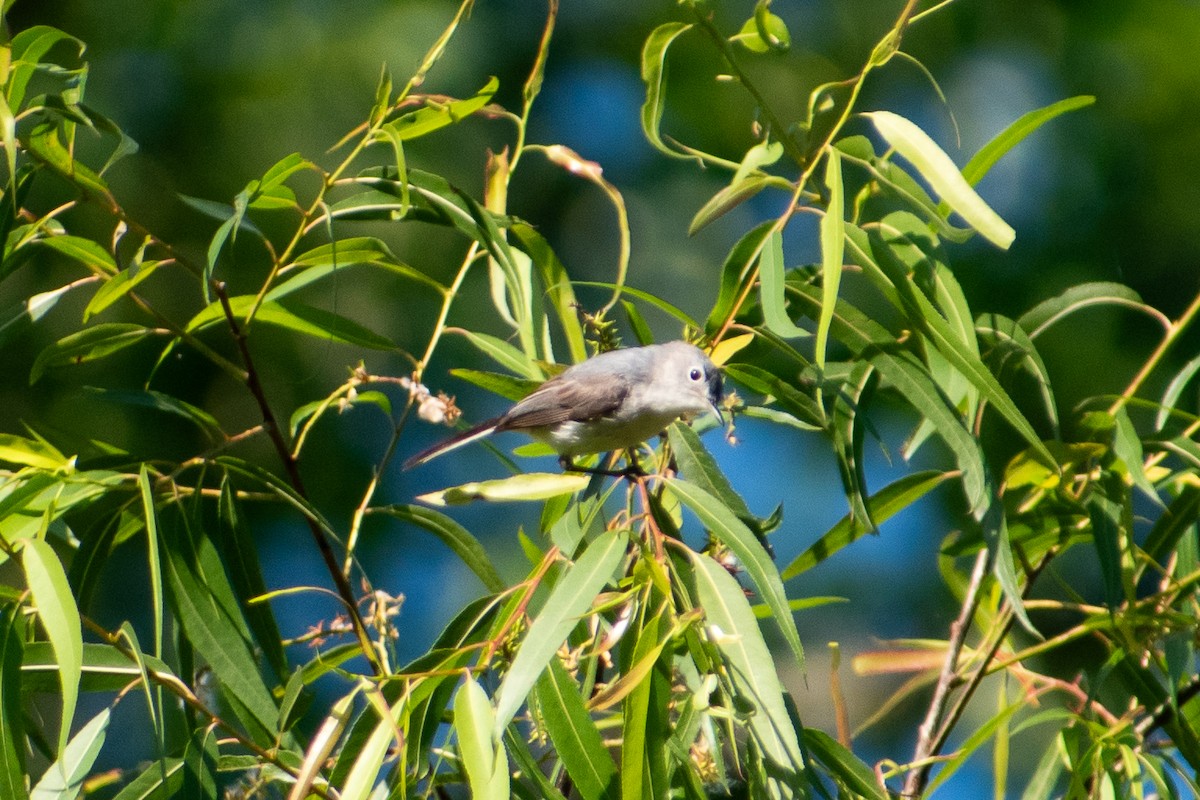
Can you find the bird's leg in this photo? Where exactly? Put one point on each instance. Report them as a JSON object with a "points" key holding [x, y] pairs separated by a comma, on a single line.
{"points": [[632, 470]]}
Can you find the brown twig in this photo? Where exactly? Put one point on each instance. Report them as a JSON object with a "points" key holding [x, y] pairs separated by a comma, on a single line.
{"points": [[292, 467], [927, 734]]}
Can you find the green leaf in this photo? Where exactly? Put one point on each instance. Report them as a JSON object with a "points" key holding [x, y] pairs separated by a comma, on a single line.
{"points": [[726, 528], [59, 616], [654, 71], [887, 502], [962, 356], [327, 259], [577, 740], [939, 170], [833, 243], [1105, 515], [764, 32], [12, 718], [162, 403], [1177, 520], [1085, 295], [728, 199], [29, 47], [570, 600], [207, 610], [45, 143], [455, 536], [1010, 343], [118, 286], [784, 393], [698, 466], [295, 317], [770, 272], [908, 376], [523, 487], [1015, 133], [479, 743], [557, 283], [858, 777], [64, 778], [505, 386], [239, 553], [433, 116], [1173, 391], [30, 452], [732, 628], [503, 353], [734, 273], [31, 310], [89, 344], [105, 668], [161, 780]]}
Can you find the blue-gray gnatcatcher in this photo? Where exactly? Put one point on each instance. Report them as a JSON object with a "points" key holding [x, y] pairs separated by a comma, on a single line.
{"points": [[612, 401]]}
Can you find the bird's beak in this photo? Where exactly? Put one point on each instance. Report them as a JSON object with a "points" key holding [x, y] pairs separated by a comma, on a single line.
{"points": [[717, 412]]}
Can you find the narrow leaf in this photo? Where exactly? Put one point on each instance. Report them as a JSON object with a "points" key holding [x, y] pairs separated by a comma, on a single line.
{"points": [[730, 531], [60, 617], [478, 743], [833, 243], [571, 598], [577, 740], [654, 70], [732, 628], [455, 536], [937, 168], [524, 487], [770, 272], [64, 779]]}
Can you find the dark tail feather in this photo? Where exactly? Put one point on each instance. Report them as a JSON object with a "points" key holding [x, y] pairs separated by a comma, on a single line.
{"points": [[453, 443]]}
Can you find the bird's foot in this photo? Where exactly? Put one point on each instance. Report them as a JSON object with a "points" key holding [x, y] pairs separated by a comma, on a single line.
{"points": [[629, 471]]}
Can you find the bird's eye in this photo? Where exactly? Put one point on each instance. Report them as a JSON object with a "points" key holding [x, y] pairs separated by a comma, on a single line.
{"points": [[696, 374]]}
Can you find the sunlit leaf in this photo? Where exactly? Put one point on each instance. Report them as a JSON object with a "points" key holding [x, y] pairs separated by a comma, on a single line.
{"points": [[478, 746], [770, 272], [937, 168], [1016, 132], [833, 240], [733, 533], [570, 599], [654, 71], [59, 616], [63, 780], [731, 626], [524, 487]]}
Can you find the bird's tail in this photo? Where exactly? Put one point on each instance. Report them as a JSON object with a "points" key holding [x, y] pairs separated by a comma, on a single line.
{"points": [[453, 443]]}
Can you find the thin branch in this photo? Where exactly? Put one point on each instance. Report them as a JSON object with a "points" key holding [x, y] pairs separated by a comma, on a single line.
{"points": [[292, 467], [927, 746]]}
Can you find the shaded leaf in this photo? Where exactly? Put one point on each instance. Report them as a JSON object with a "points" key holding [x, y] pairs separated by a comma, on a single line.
{"points": [[455, 536], [887, 502], [577, 740], [88, 344]]}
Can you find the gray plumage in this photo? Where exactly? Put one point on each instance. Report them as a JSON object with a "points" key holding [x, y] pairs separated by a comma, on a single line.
{"points": [[612, 401]]}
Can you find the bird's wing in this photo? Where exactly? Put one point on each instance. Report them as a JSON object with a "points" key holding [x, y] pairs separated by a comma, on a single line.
{"points": [[562, 401]]}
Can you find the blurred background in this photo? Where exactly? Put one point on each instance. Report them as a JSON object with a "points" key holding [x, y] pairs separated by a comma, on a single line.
{"points": [[215, 92]]}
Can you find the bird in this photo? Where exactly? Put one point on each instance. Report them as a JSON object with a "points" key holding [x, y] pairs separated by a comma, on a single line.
{"points": [[612, 401]]}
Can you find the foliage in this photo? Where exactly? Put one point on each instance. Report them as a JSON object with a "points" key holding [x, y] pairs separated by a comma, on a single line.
{"points": [[626, 663]]}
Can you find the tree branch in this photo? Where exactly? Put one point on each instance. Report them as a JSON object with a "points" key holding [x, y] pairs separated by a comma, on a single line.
{"points": [[292, 467]]}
